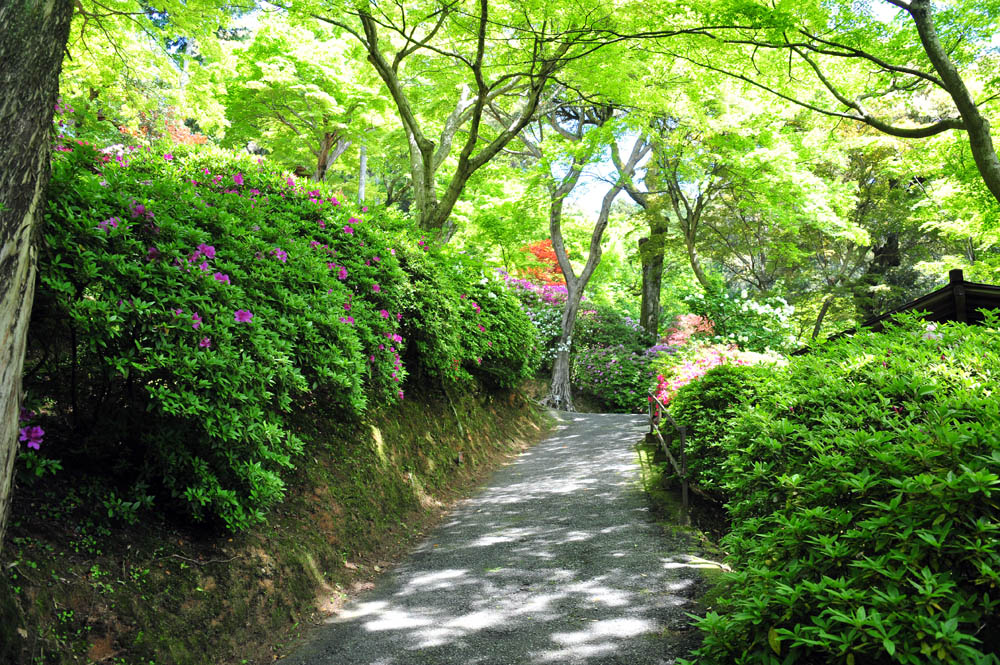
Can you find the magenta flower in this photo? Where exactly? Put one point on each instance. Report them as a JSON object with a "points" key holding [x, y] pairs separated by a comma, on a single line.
{"points": [[280, 254], [385, 314], [242, 316], [219, 277], [196, 320], [376, 288], [168, 157], [204, 267], [32, 436], [238, 179], [343, 273], [178, 311], [347, 306], [109, 223], [400, 393], [205, 343], [207, 250], [152, 254], [348, 230], [392, 251]]}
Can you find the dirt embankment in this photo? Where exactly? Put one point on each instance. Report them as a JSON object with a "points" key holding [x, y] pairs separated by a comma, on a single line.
{"points": [[81, 589]]}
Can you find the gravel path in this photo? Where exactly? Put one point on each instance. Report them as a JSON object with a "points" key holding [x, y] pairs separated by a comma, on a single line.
{"points": [[556, 561]]}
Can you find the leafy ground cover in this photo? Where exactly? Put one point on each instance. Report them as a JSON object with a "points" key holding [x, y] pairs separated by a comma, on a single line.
{"points": [[861, 482]]}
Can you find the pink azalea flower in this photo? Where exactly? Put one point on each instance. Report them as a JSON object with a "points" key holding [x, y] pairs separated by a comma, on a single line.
{"points": [[205, 343], [238, 179], [376, 288], [219, 277], [168, 157], [385, 314], [242, 316], [195, 320]]}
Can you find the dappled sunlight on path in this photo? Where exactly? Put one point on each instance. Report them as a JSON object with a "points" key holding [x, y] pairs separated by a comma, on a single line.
{"points": [[556, 561]]}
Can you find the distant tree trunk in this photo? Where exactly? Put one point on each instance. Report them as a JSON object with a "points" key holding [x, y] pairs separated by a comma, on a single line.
{"points": [[822, 314], [362, 174], [331, 146], [651, 258], [32, 41], [561, 392]]}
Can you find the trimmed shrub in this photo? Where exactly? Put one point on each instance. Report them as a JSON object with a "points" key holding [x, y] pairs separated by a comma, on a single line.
{"points": [[705, 408], [864, 502]]}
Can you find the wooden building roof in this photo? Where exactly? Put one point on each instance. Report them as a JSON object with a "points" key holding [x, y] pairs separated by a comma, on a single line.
{"points": [[959, 300]]}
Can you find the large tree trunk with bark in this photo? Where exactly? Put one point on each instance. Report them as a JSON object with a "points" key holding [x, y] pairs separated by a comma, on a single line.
{"points": [[561, 393], [651, 258], [32, 41], [331, 146], [652, 281]]}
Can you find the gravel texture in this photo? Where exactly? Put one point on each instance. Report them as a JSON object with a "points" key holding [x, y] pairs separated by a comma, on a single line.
{"points": [[558, 560]]}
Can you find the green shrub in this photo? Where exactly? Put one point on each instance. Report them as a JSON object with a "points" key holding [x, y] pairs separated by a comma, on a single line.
{"points": [[616, 376], [705, 406], [188, 301], [601, 325], [864, 501]]}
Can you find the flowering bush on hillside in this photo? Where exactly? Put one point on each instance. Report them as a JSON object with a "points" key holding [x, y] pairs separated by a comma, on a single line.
{"points": [[195, 298], [752, 325]]}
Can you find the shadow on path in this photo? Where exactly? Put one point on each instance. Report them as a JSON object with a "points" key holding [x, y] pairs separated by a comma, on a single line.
{"points": [[556, 561]]}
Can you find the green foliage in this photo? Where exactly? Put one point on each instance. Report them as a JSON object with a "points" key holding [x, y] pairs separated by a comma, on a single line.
{"points": [[863, 496], [611, 358], [190, 301], [602, 325], [617, 376], [705, 407]]}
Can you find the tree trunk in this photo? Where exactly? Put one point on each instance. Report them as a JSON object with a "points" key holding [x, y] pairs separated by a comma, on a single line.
{"points": [[822, 314], [32, 41], [651, 258], [362, 174], [699, 273], [976, 125], [561, 392], [331, 146]]}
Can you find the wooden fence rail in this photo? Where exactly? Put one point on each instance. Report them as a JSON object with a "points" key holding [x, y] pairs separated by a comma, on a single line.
{"points": [[681, 466]]}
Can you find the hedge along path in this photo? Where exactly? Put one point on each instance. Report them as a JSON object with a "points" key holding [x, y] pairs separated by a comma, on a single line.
{"points": [[557, 560]]}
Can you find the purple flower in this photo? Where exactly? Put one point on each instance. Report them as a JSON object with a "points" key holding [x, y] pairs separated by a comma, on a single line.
{"points": [[109, 223], [204, 267], [280, 254], [207, 250], [196, 320], [168, 157], [205, 343], [32, 435], [219, 277], [376, 288], [152, 254], [385, 314], [242, 316], [25, 415], [343, 273], [348, 230], [238, 179]]}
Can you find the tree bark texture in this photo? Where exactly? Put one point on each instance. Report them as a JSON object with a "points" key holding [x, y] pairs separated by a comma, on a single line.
{"points": [[651, 256], [362, 173], [978, 127], [32, 41]]}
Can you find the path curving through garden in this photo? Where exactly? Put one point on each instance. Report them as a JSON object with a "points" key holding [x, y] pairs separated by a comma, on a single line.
{"points": [[558, 560]]}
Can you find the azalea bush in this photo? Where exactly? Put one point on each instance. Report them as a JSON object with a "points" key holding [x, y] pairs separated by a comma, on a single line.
{"points": [[863, 492], [190, 299], [543, 305], [603, 325], [763, 325], [617, 377], [705, 406]]}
